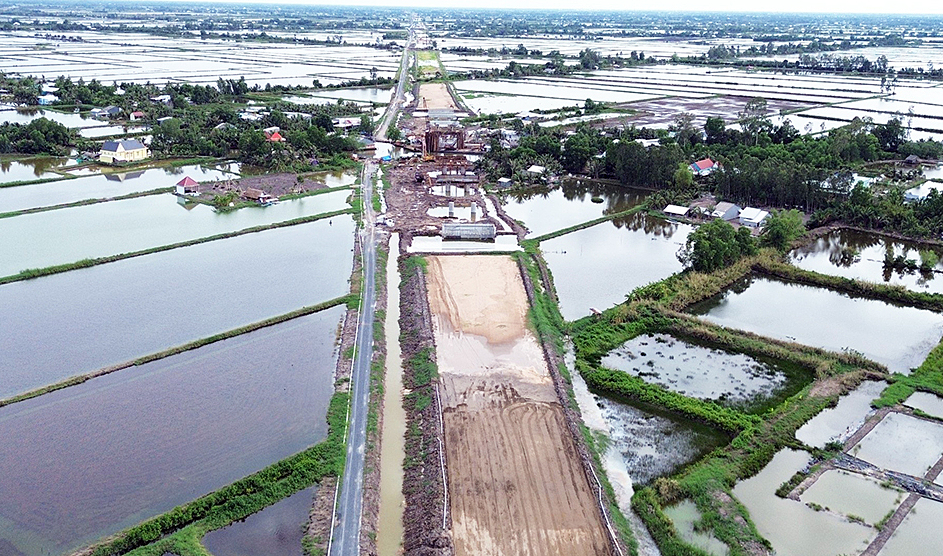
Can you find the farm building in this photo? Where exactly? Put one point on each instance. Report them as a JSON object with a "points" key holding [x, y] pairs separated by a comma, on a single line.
{"points": [[505, 182], [259, 196], [129, 150], [753, 217], [187, 186], [726, 211], [675, 210]]}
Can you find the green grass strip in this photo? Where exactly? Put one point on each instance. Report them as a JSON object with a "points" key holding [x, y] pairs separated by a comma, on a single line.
{"points": [[587, 224], [87, 202], [79, 379], [928, 377], [35, 182], [86, 263]]}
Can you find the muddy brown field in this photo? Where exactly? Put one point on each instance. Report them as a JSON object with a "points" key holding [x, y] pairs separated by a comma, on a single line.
{"points": [[515, 481], [435, 96]]}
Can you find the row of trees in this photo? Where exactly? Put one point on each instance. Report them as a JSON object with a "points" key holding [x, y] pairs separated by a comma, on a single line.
{"points": [[40, 136]]}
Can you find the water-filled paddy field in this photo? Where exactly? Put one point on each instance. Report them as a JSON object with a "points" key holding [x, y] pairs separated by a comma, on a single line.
{"points": [[928, 403], [274, 531], [71, 234], [547, 210], [92, 459], [597, 267], [685, 515], [101, 186], [902, 443], [919, 534], [852, 495], [699, 371], [30, 169], [896, 336], [793, 528], [839, 422], [654, 443], [75, 322], [860, 255]]}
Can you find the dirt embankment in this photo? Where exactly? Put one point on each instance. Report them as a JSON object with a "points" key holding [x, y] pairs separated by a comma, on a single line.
{"points": [[423, 484], [435, 96], [516, 480]]}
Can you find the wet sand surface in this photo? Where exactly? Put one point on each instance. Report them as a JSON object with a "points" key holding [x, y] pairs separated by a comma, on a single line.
{"points": [[516, 484]]}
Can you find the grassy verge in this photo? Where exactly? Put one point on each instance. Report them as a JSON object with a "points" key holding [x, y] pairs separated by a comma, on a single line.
{"points": [[79, 379], [35, 182], [180, 530], [86, 263], [87, 202], [531, 243]]}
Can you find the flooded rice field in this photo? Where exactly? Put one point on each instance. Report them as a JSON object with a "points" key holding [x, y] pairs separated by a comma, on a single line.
{"points": [[95, 458], [274, 531], [71, 323], [896, 336], [158, 60], [902, 443], [793, 528], [685, 515], [547, 210], [101, 186], [927, 403], [920, 533], [852, 495], [654, 443], [31, 169], [71, 234], [597, 267], [860, 255], [840, 422], [704, 372]]}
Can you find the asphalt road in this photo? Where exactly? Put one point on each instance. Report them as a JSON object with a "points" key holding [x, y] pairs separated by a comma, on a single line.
{"points": [[345, 540]]}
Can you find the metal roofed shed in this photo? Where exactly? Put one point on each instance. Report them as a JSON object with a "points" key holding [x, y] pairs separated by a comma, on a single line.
{"points": [[675, 210], [480, 232]]}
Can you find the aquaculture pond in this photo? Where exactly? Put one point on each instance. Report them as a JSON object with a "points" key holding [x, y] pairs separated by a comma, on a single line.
{"points": [[896, 336], [793, 528], [275, 531], [855, 254], [92, 459], [551, 209], [706, 372], [101, 186], [71, 234], [75, 322], [597, 267], [840, 422], [654, 443], [902, 443], [920, 533]]}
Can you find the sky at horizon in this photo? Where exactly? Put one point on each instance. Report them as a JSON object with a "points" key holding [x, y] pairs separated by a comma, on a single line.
{"points": [[917, 7]]}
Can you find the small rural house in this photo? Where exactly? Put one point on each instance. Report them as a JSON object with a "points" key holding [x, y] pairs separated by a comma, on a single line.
{"points": [[704, 167], [106, 112], [136, 115], [921, 192], [505, 182], [187, 186], [129, 150], [675, 210], [47, 99], [726, 211], [648, 143], [259, 196], [753, 217], [536, 170], [274, 137], [163, 99]]}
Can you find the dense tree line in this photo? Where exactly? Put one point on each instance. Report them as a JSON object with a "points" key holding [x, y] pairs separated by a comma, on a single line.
{"points": [[40, 136]]}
